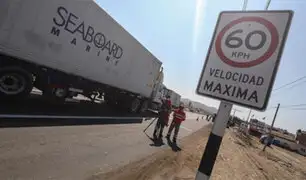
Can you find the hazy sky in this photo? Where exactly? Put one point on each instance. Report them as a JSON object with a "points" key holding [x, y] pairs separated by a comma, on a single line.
{"points": [[178, 33]]}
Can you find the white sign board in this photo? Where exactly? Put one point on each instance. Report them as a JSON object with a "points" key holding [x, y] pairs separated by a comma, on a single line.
{"points": [[243, 57]]}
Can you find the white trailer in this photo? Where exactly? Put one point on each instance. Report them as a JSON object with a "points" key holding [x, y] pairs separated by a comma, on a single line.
{"points": [[158, 93], [174, 97], [65, 46]]}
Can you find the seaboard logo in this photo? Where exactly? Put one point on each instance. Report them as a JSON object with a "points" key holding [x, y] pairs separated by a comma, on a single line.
{"points": [[97, 42]]}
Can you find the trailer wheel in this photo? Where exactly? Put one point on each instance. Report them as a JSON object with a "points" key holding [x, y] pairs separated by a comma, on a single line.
{"points": [[15, 83], [144, 106], [58, 94], [135, 105]]}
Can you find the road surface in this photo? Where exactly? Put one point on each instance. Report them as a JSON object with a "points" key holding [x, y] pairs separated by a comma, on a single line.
{"points": [[76, 152]]}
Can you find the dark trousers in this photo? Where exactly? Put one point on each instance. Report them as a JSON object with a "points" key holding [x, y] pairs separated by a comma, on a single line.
{"points": [[176, 127], [160, 125]]}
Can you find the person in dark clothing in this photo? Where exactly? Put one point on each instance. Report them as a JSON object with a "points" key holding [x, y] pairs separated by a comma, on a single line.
{"points": [[163, 118], [213, 117], [178, 117]]}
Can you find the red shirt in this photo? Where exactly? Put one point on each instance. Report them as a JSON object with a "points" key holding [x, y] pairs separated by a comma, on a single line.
{"points": [[179, 116], [168, 101]]}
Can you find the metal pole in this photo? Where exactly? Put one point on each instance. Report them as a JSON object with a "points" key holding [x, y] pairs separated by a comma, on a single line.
{"points": [[215, 138], [249, 115], [149, 124], [214, 141], [234, 114], [270, 131], [245, 3], [267, 4]]}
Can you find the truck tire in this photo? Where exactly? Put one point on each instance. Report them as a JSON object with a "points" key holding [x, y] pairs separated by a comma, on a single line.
{"points": [[15, 83], [144, 106], [57, 94], [135, 105]]}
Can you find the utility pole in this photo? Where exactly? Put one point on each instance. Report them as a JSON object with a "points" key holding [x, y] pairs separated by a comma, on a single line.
{"points": [[245, 3], [267, 4], [249, 115], [270, 131], [234, 114]]}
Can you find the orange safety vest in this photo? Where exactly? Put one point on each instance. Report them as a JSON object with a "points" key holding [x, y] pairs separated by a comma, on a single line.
{"points": [[179, 116]]}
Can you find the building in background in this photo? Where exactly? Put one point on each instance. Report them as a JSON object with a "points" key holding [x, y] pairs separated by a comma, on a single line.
{"points": [[257, 128], [300, 137]]}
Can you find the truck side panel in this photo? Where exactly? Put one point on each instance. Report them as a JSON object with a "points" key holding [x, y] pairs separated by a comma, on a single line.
{"points": [[175, 98], [79, 38]]}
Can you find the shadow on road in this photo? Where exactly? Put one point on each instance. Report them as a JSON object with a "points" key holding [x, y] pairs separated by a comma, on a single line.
{"points": [[160, 142], [37, 106], [35, 113], [157, 142], [62, 121], [173, 146]]}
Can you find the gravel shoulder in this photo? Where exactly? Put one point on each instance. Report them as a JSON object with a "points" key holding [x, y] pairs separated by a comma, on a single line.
{"points": [[240, 158]]}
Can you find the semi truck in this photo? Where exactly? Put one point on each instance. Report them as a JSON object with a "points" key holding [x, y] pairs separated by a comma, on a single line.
{"points": [[174, 97], [158, 94], [71, 47]]}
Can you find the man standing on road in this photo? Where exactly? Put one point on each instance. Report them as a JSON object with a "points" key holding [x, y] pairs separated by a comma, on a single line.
{"points": [[178, 117], [163, 117]]}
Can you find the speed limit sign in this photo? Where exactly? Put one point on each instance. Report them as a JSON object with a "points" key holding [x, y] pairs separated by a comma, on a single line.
{"points": [[243, 57]]}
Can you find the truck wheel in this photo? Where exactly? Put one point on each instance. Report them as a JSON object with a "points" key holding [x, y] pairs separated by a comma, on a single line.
{"points": [[15, 82], [144, 106], [135, 105], [58, 94]]}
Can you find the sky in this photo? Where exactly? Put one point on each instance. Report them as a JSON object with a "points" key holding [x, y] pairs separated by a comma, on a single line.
{"points": [[178, 33]]}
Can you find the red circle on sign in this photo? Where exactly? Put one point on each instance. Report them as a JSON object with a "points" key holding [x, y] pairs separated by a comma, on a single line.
{"points": [[273, 45]]}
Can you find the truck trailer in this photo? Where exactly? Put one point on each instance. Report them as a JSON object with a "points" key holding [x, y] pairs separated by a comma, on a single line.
{"points": [[70, 47], [175, 98]]}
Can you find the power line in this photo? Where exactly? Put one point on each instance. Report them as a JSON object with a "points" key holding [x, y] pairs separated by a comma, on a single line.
{"points": [[288, 84], [294, 105], [297, 84], [288, 106], [299, 109]]}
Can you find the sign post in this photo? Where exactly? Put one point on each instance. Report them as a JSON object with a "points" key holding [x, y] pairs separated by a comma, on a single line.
{"points": [[240, 68]]}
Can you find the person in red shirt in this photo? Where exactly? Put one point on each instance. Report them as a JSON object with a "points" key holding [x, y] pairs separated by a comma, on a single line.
{"points": [[163, 118], [178, 117]]}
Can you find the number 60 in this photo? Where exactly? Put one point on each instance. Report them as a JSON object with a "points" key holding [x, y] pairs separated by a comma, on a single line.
{"points": [[239, 42]]}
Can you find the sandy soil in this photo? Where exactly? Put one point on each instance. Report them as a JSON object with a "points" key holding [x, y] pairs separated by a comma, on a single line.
{"points": [[240, 158]]}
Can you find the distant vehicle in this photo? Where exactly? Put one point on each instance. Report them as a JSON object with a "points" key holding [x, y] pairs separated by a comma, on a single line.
{"points": [[174, 97], [264, 139], [71, 47]]}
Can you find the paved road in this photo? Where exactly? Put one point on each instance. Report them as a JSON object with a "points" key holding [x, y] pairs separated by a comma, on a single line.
{"points": [[76, 152]]}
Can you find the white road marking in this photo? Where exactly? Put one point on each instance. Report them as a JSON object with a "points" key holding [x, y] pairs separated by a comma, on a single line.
{"points": [[187, 129]]}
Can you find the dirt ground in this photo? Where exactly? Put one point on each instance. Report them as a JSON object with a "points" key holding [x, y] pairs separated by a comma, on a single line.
{"points": [[240, 158]]}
